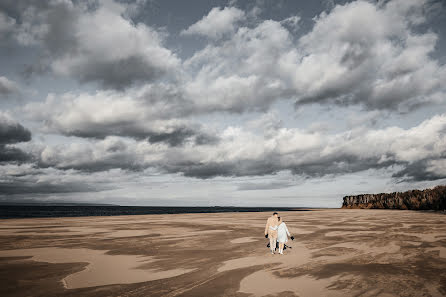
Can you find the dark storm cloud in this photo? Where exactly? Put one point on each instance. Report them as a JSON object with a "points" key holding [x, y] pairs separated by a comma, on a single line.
{"points": [[28, 179], [335, 165], [180, 136], [339, 164], [33, 187], [177, 137], [114, 160], [12, 154], [174, 138], [206, 170], [202, 170], [206, 139], [12, 132], [421, 171], [126, 128], [118, 74]]}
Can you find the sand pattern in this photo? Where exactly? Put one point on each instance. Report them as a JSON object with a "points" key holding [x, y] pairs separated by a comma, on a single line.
{"points": [[102, 269], [336, 253]]}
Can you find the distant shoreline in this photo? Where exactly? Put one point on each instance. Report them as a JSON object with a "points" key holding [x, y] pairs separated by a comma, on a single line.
{"points": [[18, 211]]}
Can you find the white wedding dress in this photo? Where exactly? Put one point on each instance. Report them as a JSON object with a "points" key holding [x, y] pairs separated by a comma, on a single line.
{"points": [[282, 233]]}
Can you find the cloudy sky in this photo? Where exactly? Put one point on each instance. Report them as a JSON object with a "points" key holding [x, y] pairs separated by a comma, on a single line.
{"points": [[246, 103]]}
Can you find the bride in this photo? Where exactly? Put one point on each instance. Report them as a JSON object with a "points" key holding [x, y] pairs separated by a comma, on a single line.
{"points": [[282, 235]]}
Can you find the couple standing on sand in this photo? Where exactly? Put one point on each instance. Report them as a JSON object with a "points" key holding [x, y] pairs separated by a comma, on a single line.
{"points": [[277, 231]]}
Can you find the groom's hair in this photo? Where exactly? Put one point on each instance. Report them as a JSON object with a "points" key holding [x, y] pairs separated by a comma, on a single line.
{"points": [[275, 213]]}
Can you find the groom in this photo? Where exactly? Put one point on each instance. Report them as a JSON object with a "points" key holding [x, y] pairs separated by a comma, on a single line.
{"points": [[271, 230]]}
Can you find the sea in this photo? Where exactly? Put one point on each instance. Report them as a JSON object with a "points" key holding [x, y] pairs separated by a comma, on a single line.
{"points": [[45, 211]]}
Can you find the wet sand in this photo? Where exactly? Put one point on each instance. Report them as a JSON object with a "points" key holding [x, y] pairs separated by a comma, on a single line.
{"points": [[337, 252]]}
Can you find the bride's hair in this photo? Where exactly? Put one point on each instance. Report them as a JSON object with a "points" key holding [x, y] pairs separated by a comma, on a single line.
{"points": [[278, 218]]}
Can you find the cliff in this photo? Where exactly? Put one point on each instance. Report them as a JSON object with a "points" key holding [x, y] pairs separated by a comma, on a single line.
{"points": [[429, 199]]}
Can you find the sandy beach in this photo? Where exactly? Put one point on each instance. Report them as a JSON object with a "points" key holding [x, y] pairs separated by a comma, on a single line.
{"points": [[336, 252]]}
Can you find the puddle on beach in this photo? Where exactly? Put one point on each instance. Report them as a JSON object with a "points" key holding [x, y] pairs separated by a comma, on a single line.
{"points": [[103, 269]]}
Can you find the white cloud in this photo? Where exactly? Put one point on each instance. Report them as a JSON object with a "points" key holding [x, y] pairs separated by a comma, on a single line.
{"points": [[292, 22], [8, 87], [104, 113], [241, 73], [242, 151], [369, 54], [360, 53], [118, 57], [96, 44], [216, 23]]}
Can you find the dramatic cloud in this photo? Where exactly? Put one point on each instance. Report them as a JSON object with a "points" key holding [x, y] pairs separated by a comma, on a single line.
{"points": [[259, 95], [12, 154], [242, 152], [12, 132], [313, 154], [435, 169], [25, 179], [369, 54], [112, 113], [140, 57], [359, 53], [217, 23], [241, 73], [81, 44], [424, 170]]}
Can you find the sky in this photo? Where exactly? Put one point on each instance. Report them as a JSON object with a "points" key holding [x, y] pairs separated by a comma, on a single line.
{"points": [[207, 103]]}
